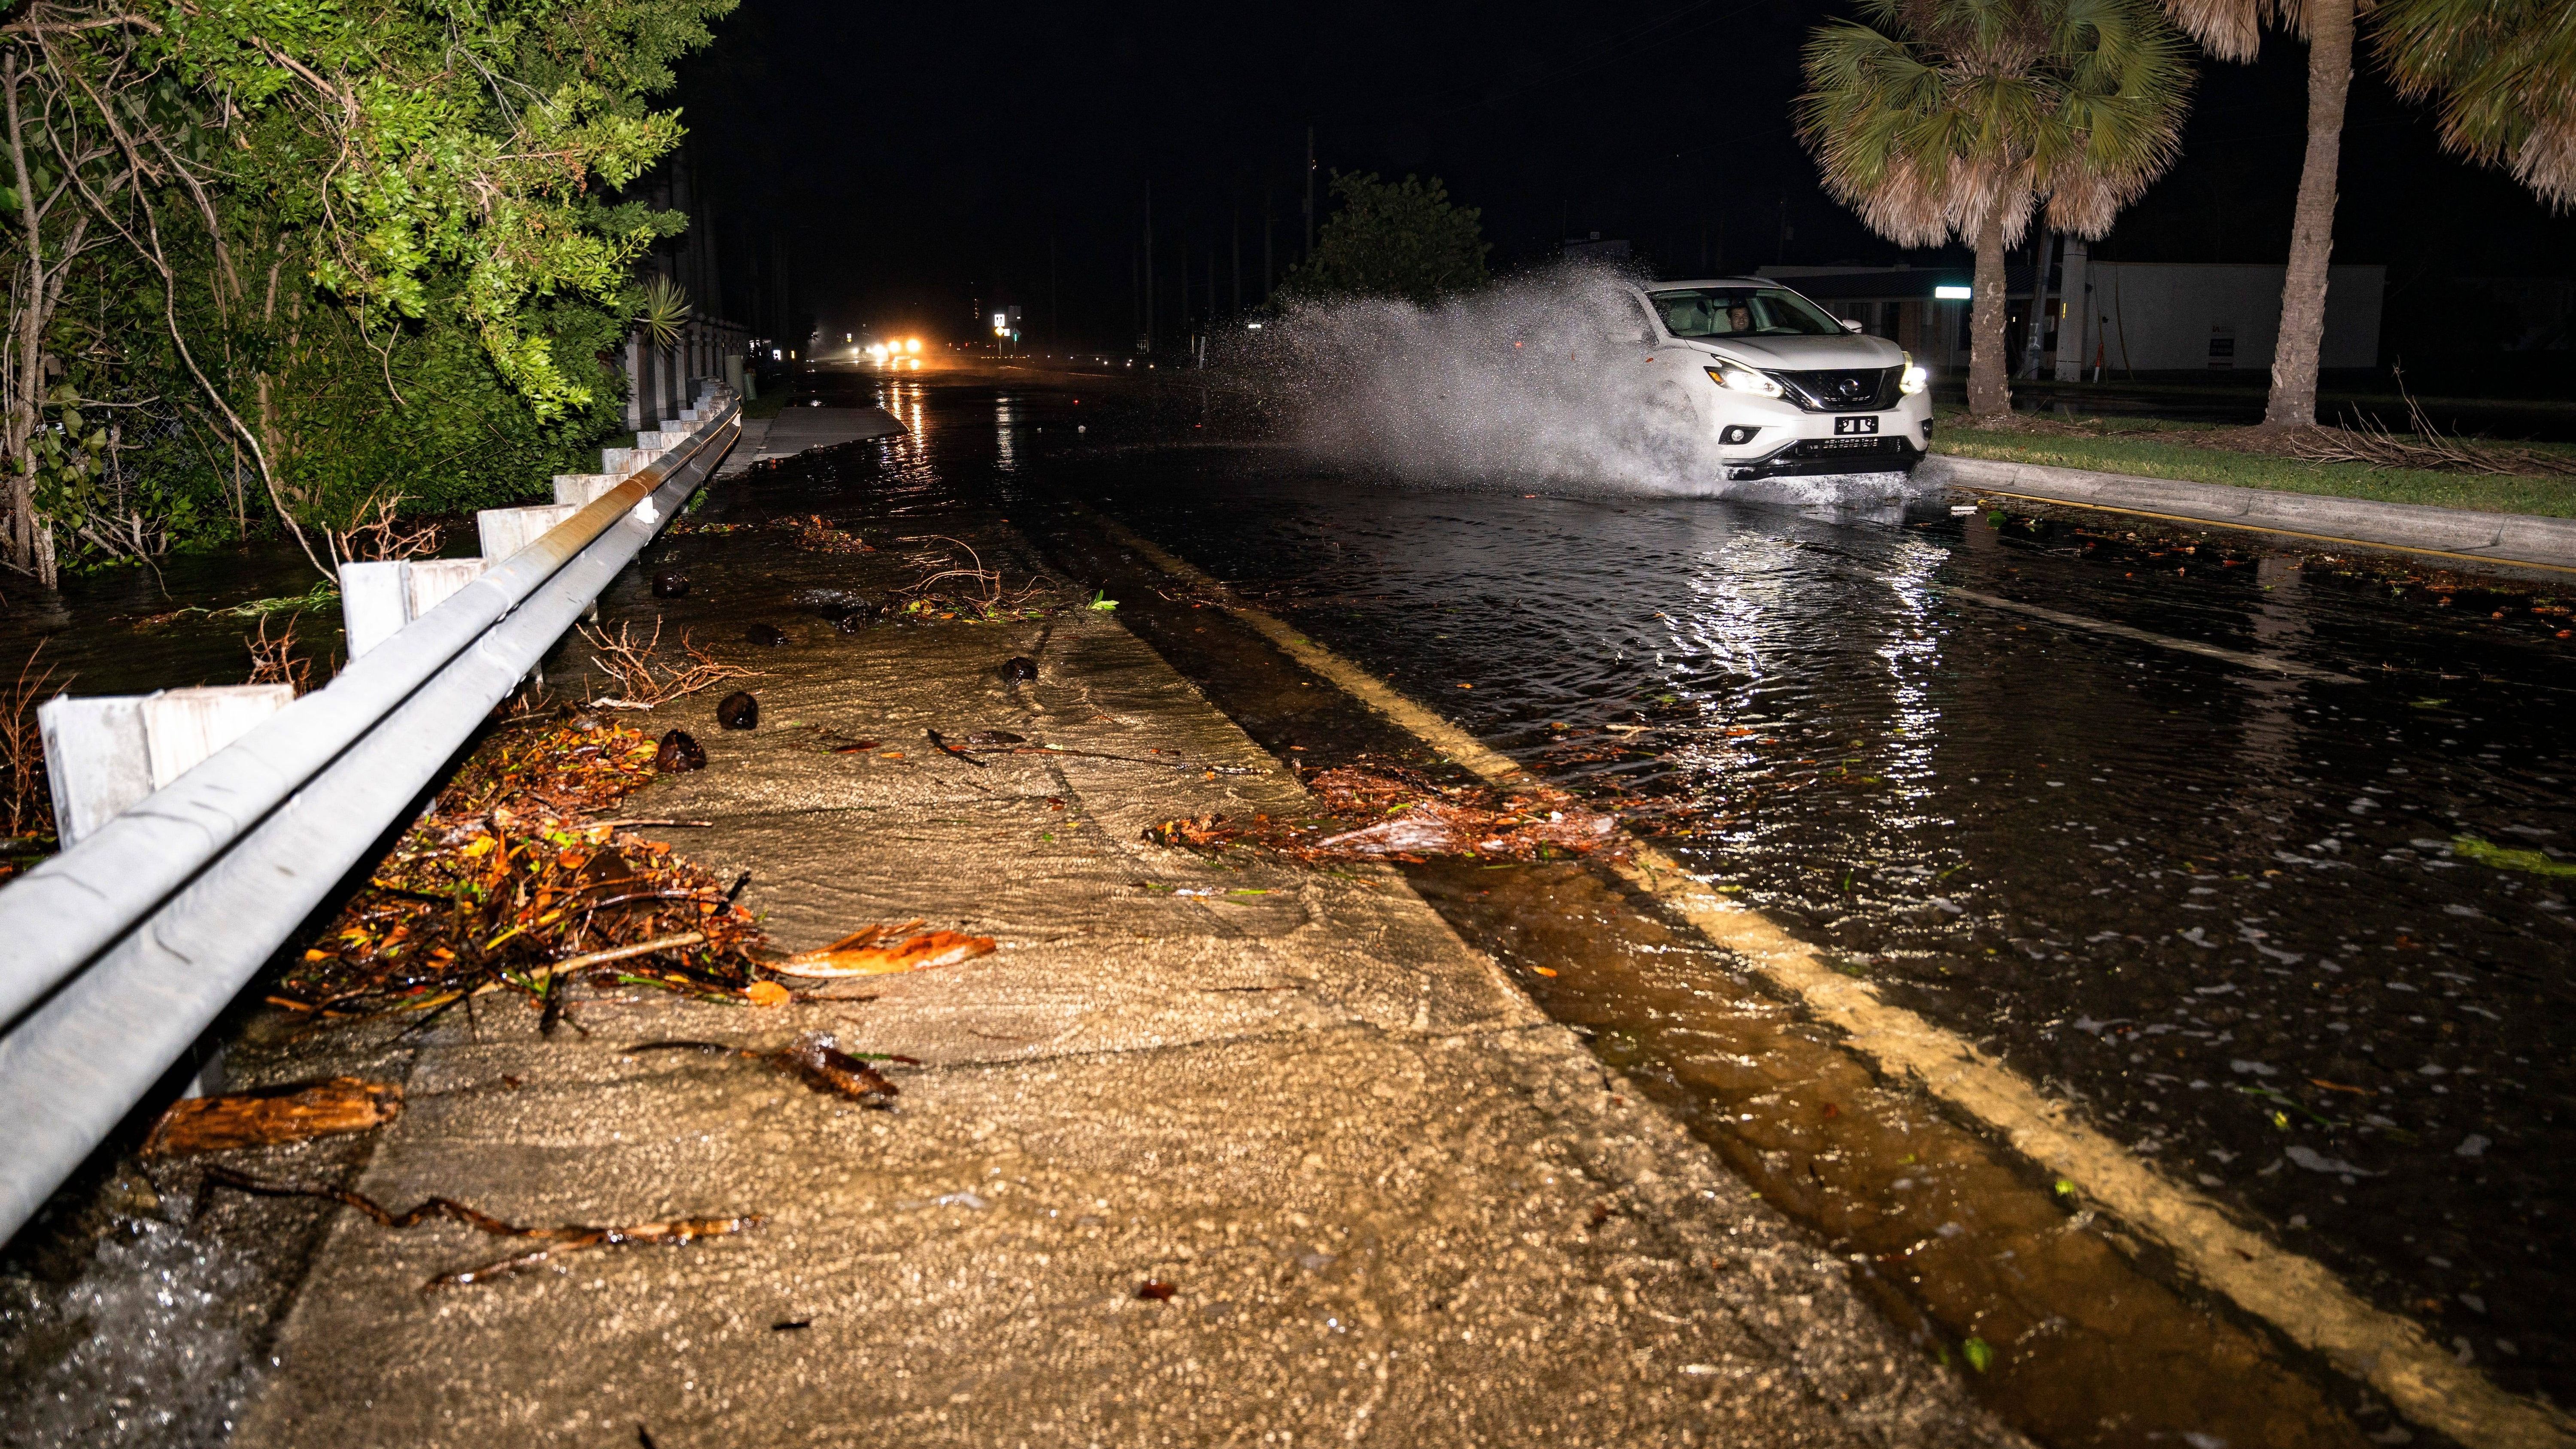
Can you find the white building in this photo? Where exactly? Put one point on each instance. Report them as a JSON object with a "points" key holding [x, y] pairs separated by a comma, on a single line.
{"points": [[2122, 318]]}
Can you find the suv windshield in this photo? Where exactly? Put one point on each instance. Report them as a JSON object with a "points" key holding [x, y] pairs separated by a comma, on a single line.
{"points": [[1741, 312]]}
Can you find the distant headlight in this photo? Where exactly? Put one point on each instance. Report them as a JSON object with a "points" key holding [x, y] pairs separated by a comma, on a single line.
{"points": [[1913, 379], [1739, 378]]}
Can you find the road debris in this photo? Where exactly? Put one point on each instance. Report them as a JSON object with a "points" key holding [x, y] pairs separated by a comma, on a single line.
{"points": [[509, 884], [882, 950], [940, 743], [816, 1059], [645, 680], [560, 1242], [1019, 669], [1411, 818], [679, 753], [738, 710], [292, 1112], [813, 533]]}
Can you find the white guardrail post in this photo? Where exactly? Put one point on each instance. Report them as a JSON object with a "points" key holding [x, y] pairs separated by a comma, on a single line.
{"points": [[125, 947]]}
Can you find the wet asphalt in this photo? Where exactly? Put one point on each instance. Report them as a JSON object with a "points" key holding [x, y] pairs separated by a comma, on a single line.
{"points": [[2299, 934]]}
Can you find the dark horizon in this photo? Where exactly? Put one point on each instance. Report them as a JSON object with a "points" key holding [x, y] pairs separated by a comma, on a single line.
{"points": [[926, 166]]}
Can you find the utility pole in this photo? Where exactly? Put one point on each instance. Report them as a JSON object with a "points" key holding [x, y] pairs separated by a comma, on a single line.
{"points": [[1235, 221], [1266, 229], [1310, 191], [1148, 338]]}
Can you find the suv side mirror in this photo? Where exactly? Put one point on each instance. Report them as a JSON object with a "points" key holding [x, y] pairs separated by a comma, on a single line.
{"points": [[1850, 326]]}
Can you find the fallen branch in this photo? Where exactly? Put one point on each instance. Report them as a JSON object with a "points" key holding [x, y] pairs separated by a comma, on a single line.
{"points": [[814, 1059], [587, 959], [643, 681], [2372, 442], [560, 1241]]}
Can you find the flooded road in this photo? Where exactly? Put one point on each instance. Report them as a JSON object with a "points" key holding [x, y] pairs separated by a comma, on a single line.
{"points": [[2226, 909], [2259, 862], [2296, 930]]}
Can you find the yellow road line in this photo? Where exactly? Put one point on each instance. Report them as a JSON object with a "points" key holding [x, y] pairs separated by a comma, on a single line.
{"points": [[2297, 1295]]}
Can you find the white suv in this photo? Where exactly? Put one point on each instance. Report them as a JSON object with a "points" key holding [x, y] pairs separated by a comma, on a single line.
{"points": [[1784, 387]]}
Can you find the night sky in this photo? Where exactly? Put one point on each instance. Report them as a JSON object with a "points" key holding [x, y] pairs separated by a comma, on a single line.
{"points": [[919, 161]]}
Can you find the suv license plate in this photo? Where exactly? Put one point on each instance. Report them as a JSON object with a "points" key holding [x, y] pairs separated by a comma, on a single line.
{"points": [[1844, 427]]}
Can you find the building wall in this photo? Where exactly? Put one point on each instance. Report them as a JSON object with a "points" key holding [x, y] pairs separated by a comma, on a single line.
{"points": [[2215, 317]]}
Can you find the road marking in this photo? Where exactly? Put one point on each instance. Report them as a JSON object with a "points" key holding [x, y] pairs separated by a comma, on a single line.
{"points": [[2272, 662], [2294, 1293]]}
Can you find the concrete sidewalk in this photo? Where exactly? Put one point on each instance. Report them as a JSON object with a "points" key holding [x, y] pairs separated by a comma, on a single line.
{"points": [[1394, 1204], [2509, 539]]}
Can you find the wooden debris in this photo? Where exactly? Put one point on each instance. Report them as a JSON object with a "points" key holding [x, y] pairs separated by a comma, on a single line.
{"points": [[271, 1115]]}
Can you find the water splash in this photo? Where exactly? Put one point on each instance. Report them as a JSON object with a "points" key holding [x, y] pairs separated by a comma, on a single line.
{"points": [[148, 1348], [1540, 379]]}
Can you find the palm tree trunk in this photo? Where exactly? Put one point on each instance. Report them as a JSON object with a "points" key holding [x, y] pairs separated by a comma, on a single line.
{"points": [[1989, 396], [2303, 289]]}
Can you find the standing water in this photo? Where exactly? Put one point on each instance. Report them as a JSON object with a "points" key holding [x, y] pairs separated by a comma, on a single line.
{"points": [[2293, 933]]}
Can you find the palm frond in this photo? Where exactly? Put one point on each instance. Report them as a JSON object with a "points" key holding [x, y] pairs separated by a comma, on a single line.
{"points": [[661, 310], [1962, 108], [2233, 29], [2502, 75]]}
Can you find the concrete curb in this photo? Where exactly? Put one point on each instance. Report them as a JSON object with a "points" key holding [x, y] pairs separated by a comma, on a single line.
{"points": [[2517, 539]]}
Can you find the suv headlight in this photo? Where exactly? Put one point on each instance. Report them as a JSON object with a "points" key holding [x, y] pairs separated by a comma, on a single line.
{"points": [[1739, 378], [1913, 379]]}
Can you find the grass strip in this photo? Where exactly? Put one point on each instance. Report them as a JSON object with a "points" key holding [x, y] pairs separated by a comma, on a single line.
{"points": [[2166, 453]]}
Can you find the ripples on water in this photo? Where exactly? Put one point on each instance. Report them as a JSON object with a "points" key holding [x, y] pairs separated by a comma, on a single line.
{"points": [[148, 1347], [2220, 907]]}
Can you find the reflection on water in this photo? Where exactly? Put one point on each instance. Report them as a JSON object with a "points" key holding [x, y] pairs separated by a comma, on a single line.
{"points": [[2223, 910], [2060, 1333]]}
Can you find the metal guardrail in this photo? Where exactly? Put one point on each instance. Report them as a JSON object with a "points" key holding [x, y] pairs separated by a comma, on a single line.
{"points": [[117, 954]]}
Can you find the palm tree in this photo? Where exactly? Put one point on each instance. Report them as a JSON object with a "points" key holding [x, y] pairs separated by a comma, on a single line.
{"points": [[2505, 73], [1958, 118], [2232, 30]]}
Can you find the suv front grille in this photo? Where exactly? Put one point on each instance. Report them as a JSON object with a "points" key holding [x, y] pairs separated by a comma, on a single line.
{"points": [[1833, 447], [1858, 391]]}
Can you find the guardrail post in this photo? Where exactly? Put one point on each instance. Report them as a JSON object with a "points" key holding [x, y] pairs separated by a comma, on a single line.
{"points": [[583, 487], [505, 531], [624, 461], [104, 753], [377, 599]]}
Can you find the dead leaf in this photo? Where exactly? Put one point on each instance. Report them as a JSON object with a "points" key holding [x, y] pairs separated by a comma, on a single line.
{"points": [[860, 954], [767, 993]]}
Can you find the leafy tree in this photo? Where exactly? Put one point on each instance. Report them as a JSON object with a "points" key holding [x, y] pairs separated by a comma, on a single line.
{"points": [[1959, 118], [1393, 239], [2503, 73], [322, 194]]}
